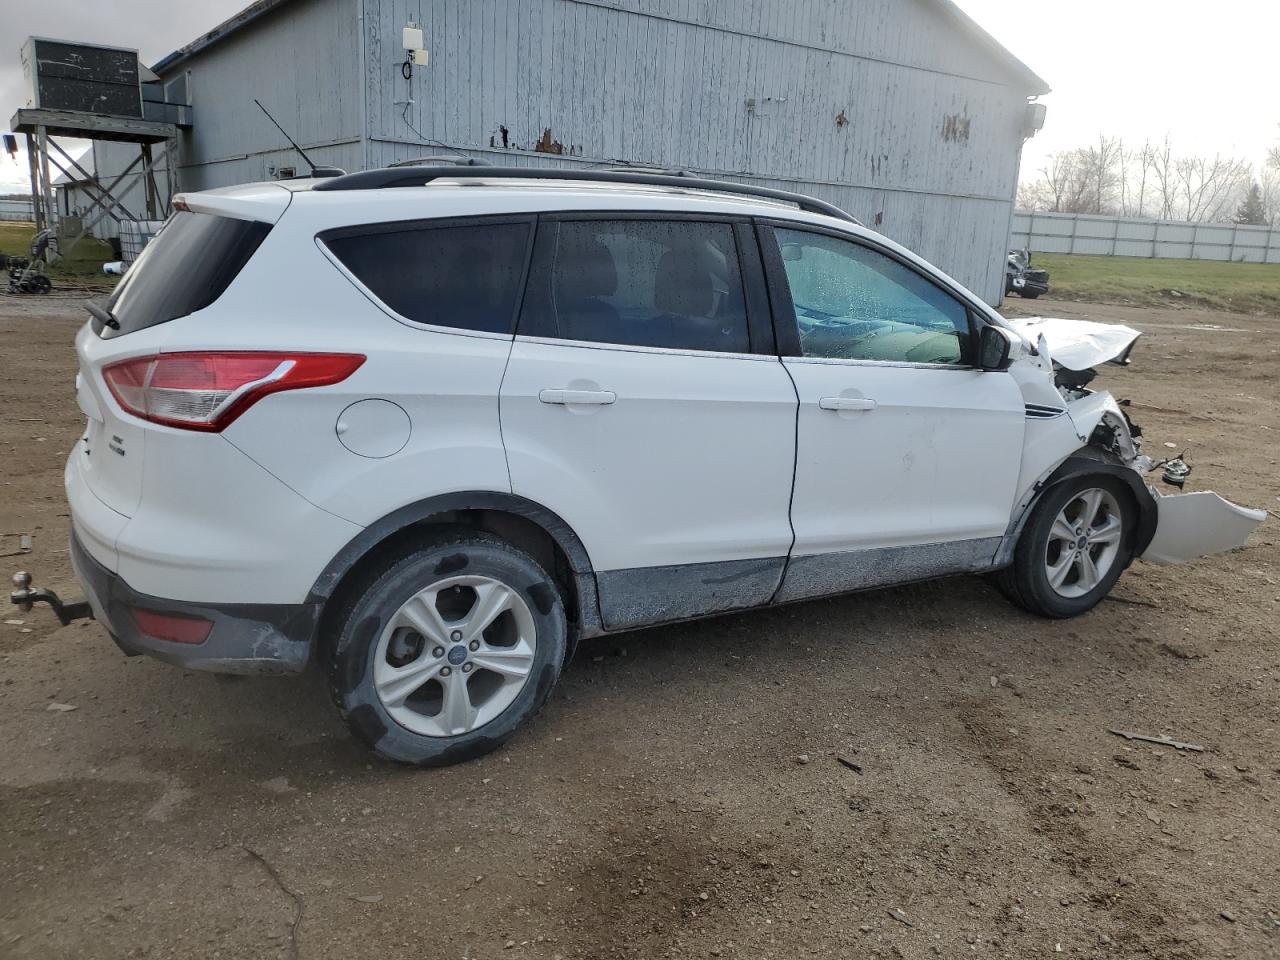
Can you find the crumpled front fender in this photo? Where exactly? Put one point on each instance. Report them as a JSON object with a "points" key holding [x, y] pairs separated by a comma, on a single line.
{"points": [[1190, 525]]}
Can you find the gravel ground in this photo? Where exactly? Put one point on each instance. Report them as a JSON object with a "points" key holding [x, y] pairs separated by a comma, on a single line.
{"points": [[683, 794]]}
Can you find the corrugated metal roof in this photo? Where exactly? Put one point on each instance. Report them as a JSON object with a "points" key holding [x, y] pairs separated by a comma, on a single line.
{"points": [[1034, 84]]}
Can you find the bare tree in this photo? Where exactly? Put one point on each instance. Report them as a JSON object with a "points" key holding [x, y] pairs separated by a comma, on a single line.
{"points": [[1165, 178], [1208, 187], [1103, 166], [1139, 166], [1104, 178], [1062, 182], [1269, 185]]}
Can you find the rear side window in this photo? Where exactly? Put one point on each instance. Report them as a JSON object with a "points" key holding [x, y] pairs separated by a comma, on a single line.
{"points": [[648, 283], [464, 276], [186, 267]]}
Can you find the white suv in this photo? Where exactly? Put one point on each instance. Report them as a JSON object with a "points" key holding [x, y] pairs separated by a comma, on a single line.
{"points": [[431, 426]]}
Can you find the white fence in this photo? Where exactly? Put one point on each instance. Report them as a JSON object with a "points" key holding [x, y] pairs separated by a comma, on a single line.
{"points": [[1159, 239], [15, 210]]}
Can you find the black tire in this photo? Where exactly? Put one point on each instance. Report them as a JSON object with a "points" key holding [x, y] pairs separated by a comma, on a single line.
{"points": [[1030, 294], [1026, 581], [359, 625]]}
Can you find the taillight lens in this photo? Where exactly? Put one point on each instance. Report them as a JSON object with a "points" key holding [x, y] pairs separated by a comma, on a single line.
{"points": [[208, 391]]}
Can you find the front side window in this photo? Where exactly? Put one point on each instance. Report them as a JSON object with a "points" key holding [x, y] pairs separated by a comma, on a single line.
{"points": [[855, 303], [466, 276], [648, 283]]}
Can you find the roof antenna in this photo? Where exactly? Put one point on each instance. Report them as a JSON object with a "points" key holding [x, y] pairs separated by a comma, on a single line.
{"points": [[315, 170]]}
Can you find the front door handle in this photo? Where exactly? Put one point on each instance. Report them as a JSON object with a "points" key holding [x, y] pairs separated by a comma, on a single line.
{"points": [[598, 397], [846, 403]]}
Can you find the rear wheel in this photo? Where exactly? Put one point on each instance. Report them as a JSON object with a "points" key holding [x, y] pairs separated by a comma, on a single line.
{"points": [[448, 652], [1073, 549]]}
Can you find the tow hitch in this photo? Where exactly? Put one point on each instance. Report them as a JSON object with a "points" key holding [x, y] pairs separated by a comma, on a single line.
{"points": [[25, 597]]}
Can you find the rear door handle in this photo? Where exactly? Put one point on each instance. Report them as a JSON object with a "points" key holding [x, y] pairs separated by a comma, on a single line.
{"points": [[846, 403], [598, 397]]}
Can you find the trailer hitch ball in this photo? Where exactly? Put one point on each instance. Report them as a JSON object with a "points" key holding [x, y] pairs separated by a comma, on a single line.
{"points": [[22, 596], [66, 612]]}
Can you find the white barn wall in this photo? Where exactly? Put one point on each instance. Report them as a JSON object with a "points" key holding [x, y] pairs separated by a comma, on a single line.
{"points": [[302, 61], [662, 82], [667, 82]]}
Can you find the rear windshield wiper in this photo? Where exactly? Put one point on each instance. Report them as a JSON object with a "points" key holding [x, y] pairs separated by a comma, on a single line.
{"points": [[102, 315]]}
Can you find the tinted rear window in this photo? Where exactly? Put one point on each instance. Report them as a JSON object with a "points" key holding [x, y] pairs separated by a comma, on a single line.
{"points": [[468, 276], [188, 265], [646, 283]]}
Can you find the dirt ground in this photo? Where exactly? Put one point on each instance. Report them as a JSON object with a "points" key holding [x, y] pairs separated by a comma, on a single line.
{"points": [[681, 794]]}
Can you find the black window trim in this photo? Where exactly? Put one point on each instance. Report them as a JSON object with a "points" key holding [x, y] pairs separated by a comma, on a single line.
{"points": [[760, 325], [434, 223], [785, 329]]}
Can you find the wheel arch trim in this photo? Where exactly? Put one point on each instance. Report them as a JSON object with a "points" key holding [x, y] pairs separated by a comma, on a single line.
{"points": [[380, 530], [1078, 464]]}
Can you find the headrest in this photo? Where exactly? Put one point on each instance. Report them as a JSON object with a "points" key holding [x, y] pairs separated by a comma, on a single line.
{"points": [[584, 268], [683, 285]]}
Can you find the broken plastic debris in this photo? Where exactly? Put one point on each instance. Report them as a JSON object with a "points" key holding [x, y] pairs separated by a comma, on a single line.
{"points": [[1191, 525]]}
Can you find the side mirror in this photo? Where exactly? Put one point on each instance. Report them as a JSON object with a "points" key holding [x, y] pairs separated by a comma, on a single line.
{"points": [[994, 344]]}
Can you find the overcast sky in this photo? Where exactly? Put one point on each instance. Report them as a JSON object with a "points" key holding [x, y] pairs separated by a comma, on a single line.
{"points": [[1200, 72]]}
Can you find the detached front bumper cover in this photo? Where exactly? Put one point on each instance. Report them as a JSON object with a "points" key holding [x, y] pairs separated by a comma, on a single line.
{"points": [[1191, 525]]}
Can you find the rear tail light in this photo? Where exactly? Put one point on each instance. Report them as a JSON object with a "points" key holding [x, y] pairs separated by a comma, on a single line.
{"points": [[208, 391], [172, 627]]}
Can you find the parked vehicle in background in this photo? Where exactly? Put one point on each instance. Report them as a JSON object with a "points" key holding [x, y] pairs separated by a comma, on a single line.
{"points": [[431, 427], [1019, 278]]}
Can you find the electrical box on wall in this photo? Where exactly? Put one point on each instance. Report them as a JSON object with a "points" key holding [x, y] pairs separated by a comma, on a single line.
{"points": [[87, 78], [412, 38]]}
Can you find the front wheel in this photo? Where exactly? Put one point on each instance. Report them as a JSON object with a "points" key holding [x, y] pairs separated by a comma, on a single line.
{"points": [[1073, 549], [448, 652]]}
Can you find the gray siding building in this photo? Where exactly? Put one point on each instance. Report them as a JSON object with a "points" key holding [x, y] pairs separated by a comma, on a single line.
{"points": [[904, 112]]}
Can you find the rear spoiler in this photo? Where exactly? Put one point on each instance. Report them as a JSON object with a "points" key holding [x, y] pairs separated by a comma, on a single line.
{"points": [[265, 202]]}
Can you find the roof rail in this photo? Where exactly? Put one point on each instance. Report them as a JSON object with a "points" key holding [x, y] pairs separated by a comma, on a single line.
{"points": [[441, 159], [388, 177]]}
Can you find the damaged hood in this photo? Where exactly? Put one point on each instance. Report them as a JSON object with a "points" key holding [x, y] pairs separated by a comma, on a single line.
{"points": [[1078, 344]]}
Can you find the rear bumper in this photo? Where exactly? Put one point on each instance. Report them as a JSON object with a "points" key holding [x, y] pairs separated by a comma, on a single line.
{"points": [[246, 637]]}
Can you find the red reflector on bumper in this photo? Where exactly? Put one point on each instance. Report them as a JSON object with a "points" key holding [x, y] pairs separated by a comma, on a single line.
{"points": [[168, 626]]}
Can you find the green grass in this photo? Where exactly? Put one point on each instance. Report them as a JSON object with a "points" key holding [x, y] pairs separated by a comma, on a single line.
{"points": [[1242, 287], [83, 267]]}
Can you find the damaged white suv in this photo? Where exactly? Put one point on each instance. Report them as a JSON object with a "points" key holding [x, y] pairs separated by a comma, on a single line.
{"points": [[431, 426]]}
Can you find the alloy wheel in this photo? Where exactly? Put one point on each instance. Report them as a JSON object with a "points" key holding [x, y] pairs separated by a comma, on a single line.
{"points": [[455, 656], [1084, 542]]}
